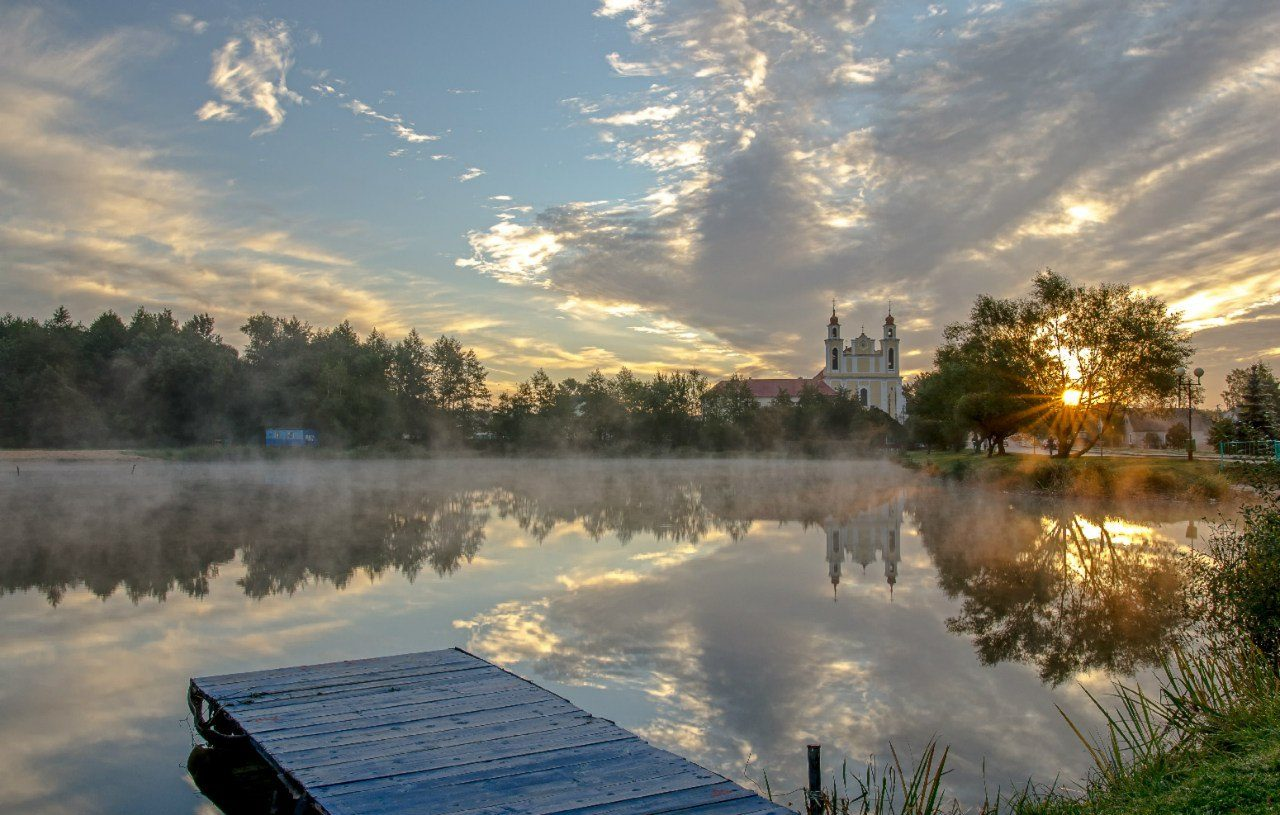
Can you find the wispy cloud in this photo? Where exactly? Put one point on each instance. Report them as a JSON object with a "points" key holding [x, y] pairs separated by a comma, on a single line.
{"points": [[250, 72], [188, 22], [397, 125], [97, 221], [470, 174]]}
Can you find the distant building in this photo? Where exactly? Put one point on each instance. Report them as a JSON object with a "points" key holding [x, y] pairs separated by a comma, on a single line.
{"points": [[291, 437], [1139, 423], [861, 538], [869, 370], [767, 390]]}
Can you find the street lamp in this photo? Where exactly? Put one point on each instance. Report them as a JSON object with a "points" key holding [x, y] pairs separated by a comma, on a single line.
{"points": [[1184, 379]]}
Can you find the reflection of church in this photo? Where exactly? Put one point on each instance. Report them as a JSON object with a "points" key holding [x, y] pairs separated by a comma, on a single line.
{"points": [[859, 539]]}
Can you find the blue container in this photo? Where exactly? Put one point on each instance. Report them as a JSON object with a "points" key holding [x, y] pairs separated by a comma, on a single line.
{"points": [[291, 437]]}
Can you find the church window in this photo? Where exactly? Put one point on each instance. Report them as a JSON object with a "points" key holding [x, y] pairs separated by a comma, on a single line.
{"points": [[862, 397], [835, 359], [891, 359]]}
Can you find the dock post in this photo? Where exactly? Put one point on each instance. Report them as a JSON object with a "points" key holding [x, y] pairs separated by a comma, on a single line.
{"points": [[813, 796]]}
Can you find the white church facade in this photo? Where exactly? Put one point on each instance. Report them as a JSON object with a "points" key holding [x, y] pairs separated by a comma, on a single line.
{"points": [[868, 369]]}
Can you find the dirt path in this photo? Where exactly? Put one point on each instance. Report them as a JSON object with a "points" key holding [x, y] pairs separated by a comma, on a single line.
{"points": [[69, 455]]}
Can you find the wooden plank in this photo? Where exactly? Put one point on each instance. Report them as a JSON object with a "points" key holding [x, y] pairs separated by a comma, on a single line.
{"points": [[590, 732], [285, 689], [362, 731], [440, 709], [545, 783], [395, 745], [499, 768], [323, 709], [447, 733], [328, 693], [327, 670], [704, 787]]}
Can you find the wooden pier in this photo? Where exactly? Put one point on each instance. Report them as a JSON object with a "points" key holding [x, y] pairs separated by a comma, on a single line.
{"points": [[445, 732]]}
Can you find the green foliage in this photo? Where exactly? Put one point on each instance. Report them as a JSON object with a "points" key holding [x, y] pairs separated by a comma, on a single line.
{"points": [[155, 382], [1007, 368], [1237, 583], [676, 410], [1176, 436], [1254, 394]]}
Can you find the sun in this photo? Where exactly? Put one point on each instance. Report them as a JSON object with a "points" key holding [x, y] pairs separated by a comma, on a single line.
{"points": [[1071, 397]]}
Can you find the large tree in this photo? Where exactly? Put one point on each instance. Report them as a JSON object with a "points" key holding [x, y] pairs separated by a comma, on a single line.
{"points": [[1063, 360]]}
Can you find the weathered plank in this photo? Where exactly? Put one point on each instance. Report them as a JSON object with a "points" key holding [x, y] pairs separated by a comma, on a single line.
{"points": [[447, 733]]}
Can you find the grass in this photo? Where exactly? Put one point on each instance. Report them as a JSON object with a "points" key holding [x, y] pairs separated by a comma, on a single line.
{"points": [[1207, 741], [1085, 477]]}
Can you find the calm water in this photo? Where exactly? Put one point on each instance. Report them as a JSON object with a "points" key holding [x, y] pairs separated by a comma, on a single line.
{"points": [[729, 611]]}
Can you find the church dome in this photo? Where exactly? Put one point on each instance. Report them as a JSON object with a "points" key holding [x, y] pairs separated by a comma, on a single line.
{"points": [[888, 320]]}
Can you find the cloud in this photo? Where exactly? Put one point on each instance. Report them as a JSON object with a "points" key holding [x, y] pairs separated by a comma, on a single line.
{"points": [[624, 68], [187, 22], [799, 151], [254, 79], [398, 127], [95, 220], [653, 113], [470, 174]]}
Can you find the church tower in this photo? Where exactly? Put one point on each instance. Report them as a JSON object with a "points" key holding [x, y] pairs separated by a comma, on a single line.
{"points": [[834, 344], [892, 367]]}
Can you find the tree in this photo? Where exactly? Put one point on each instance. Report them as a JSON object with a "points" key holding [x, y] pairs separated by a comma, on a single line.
{"points": [[1103, 348], [1175, 438], [1254, 394], [931, 399], [409, 374], [1064, 359], [458, 381]]}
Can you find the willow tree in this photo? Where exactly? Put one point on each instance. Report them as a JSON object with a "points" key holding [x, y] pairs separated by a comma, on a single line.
{"points": [[1065, 359], [1096, 350]]}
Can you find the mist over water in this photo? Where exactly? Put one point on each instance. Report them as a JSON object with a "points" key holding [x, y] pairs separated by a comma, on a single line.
{"points": [[730, 611]]}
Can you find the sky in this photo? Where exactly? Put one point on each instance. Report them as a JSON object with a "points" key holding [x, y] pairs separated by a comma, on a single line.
{"points": [[651, 183]]}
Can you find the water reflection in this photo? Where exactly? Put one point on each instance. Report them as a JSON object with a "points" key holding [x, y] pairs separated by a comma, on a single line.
{"points": [[148, 536], [689, 601], [1063, 588], [860, 539], [1043, 583]]}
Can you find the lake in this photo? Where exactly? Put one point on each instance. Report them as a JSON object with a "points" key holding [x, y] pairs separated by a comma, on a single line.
{"points": [[730, 611]]}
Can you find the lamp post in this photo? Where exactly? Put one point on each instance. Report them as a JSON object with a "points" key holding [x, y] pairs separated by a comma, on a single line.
{"points": [[1184, 379]]}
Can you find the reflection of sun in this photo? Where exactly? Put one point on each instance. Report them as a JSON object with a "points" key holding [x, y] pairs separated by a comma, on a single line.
{"points": [[1141, 545]]}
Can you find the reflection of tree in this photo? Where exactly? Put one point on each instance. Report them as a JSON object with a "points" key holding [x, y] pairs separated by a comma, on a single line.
{"points": [[1067, 591], [171, 529]]}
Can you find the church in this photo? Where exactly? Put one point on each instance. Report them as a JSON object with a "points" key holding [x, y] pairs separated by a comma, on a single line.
{"points": [[869, 369]]}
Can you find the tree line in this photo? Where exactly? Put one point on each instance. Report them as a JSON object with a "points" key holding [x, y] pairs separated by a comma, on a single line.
{"points": [[153, 381], [678, 410]]}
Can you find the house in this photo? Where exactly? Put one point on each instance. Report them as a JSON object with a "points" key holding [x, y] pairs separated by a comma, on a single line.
{"points": [[1139, 423]]}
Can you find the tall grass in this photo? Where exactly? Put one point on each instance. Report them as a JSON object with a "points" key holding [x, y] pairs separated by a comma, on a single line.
{"points": [[1203, 700], [1203, 697]]}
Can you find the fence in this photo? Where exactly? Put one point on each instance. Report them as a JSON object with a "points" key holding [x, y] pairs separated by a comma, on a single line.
{"points": [[1263, 450]]}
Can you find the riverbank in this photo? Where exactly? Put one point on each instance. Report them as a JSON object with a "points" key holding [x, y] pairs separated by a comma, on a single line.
{"points": [[1086, 477]]}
